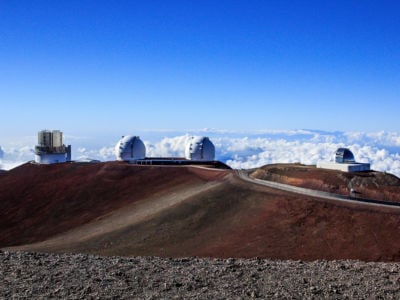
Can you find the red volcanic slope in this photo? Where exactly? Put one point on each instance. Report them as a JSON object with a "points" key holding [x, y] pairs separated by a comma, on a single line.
{"points": [[38, 201], [373, 185], [120, 209]]}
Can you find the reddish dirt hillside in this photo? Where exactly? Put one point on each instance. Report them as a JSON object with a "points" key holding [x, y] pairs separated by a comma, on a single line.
{"points": [[39, 201], [120, 209], [373, 185]]}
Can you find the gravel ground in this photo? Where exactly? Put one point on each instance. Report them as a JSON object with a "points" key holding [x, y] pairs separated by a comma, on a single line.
{"points": [[39, 275]]}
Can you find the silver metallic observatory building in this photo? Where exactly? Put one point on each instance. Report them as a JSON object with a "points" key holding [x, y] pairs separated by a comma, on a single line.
{"points": [[345, 162], [51, 149]]}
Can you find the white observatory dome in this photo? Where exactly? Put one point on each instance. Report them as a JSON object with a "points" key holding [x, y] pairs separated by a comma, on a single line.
{"points": [[200, 149], [130, 148]]}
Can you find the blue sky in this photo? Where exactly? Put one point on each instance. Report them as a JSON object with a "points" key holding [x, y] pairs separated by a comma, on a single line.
{"points": [[113, 67]]}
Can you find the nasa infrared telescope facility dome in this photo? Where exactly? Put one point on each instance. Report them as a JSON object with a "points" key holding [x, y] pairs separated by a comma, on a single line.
{"points": [[130, 148], [200, 149], [345, 162]]}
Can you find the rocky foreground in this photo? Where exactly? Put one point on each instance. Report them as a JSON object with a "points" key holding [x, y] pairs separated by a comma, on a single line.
{"points": [[39, 275]]}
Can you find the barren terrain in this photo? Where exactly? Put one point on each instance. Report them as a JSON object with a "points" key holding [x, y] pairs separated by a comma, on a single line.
{"points": [[78, 276], [192, 232], [120, 209], [373, 185]]}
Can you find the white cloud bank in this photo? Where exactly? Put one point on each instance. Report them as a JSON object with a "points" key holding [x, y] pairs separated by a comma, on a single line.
{"points": [[254, 149]]}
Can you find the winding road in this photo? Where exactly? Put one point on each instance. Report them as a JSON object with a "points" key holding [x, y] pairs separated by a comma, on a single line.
{"points": [[242, 174]]}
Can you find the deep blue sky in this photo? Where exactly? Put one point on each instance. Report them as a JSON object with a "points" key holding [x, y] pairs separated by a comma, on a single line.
{"points": [[119, 66]]}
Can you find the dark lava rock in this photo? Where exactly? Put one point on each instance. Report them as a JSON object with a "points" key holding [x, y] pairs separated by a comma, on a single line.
{"points": [[37, 275]]}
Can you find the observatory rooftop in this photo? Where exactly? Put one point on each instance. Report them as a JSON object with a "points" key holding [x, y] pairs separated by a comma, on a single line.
{"points": [[51, 149], [344, 155], [345, 162], [200, 149], [130, 148]]}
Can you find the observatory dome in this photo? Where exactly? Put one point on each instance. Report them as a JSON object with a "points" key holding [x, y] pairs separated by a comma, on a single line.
{"points": [[130, 148], [200, 149], [344, 155]]}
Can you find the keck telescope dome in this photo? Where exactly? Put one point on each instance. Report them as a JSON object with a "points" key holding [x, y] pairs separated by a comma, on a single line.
{"points": [[200, 149], [130, 148]]}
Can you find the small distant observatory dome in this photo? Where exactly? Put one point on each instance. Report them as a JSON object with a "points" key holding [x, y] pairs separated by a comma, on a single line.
{"points": [[344, 155], [130, 148], [200, 149]]}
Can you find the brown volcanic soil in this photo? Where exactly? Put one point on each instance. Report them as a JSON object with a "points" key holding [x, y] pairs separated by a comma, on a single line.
{"points": [[373, 185], [39, 201], [120, 209]]}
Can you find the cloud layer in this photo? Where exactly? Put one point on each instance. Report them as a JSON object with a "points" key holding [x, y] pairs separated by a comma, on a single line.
{"points": [[253, 149]]}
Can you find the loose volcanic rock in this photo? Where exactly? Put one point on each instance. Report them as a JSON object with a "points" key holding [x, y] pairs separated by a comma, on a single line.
{"points": [[37, 275]]}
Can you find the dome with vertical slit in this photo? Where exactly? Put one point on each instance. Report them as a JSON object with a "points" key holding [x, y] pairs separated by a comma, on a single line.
{"points": [[200, 149], [344, 155], [130, 148]]}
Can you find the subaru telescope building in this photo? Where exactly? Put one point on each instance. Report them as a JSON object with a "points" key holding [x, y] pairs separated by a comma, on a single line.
{"points": [[51, 149]]}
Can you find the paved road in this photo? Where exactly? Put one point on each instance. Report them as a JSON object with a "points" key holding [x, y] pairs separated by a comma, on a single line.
{"points": [[314, 193]]}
